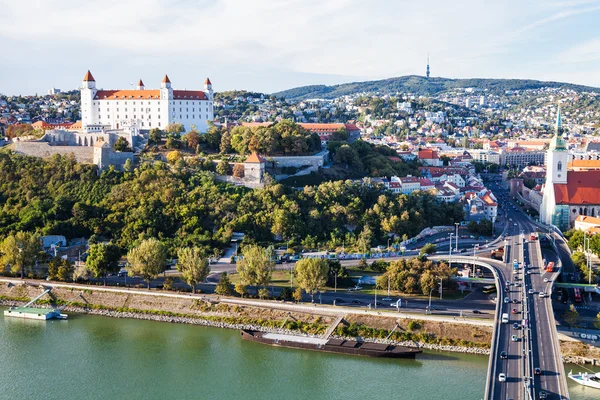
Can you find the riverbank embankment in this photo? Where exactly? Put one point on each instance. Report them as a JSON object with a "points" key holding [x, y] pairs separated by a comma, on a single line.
{"points": [[236, 313]]}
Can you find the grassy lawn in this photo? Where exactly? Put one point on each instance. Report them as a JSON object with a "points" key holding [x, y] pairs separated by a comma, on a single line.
{"points": [[281, 278]]}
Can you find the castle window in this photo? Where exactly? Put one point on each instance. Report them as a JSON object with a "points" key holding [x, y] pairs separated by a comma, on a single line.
{"points": [[559, 166], [159, 124], [173, 109]]}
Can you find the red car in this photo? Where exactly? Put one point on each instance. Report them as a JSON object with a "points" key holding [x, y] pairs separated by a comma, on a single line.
{"points": [[514, 310]]}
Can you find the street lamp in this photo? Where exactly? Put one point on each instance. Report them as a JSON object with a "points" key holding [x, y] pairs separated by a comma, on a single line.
{"points": [[456, 223], [429, 306], [450, 251], [388, 244]]}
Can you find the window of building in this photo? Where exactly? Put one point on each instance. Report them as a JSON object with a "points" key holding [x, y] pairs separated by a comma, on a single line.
{"points": [[98, 110], [559, 166], [159, 124]]}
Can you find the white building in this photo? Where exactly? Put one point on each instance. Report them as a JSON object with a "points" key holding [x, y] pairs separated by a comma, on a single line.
{"points": [[153, 108]]}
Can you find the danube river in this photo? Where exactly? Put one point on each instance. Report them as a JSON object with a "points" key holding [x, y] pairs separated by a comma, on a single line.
{"points": [[92, 357]]}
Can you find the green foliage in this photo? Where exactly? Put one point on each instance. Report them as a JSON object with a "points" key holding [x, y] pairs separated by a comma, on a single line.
{"points": [[19, 251], [483, 227], [223, 288], [190, 208], [297, 295], [147, 260], [155, 136], [416, 275], [103, 258], [336, 269], [571, 316], [311, 274], [193, 265], [419, 85], [121, 145], [223, 167], [363, 264], [429, 248], [255, 266], [413, 325]]}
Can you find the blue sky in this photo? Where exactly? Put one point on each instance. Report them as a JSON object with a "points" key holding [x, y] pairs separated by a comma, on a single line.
{"points": [[271, 45]]}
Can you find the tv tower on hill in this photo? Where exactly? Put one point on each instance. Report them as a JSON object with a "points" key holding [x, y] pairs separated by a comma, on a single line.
{"points": [[427, 74]]}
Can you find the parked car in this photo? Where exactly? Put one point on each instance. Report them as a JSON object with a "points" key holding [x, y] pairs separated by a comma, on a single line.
{"points": [[339, 300], [476, 312], [356, 301]]}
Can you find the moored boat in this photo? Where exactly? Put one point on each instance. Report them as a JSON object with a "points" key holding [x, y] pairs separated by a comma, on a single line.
{"points": [[586, 379], [341, 346]]}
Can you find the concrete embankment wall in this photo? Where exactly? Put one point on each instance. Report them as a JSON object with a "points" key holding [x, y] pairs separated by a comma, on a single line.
{"points": [[235, 313]]}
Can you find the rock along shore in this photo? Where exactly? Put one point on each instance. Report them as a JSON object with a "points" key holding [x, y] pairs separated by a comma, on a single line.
{"points": [[218, 324]]}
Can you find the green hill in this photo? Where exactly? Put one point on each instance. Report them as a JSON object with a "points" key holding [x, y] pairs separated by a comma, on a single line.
{"points": [[419, 85]]}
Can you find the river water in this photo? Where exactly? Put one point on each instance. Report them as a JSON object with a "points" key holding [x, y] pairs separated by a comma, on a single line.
{"points": [[93, 357]]}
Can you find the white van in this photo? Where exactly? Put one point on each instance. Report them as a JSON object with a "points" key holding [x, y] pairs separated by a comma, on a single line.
{"points": [[505, 318]]}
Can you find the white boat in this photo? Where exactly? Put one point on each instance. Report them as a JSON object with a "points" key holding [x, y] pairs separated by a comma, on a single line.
{"points": [[586, 379]]}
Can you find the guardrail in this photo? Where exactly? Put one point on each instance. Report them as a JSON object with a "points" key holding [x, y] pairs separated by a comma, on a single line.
{"points": [[490, 380], [555, 342]]}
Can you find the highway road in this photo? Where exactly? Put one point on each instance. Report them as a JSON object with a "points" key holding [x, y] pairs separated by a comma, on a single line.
{"points": [[535, 344]]}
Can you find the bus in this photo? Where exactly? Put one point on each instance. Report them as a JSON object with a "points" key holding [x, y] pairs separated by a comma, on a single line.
{"points": [[515, 266], [577, 295], [550, 267], [532, 237], [489, 289]]}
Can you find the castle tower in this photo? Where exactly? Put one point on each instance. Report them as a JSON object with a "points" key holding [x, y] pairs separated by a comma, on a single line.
{"points": [[208, 89], [140, 85], [427, 73], [166, 91], [88, 92], [102, 152]]}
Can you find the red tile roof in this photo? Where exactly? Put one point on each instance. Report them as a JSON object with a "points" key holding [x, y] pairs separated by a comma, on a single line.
{"points": [[428, 154], [140, 83], [582, 187], [148, 94], [45, 125], [88, 77], [166, 79], [254, 158], [127, 94], [189, 94], [207, 82]]}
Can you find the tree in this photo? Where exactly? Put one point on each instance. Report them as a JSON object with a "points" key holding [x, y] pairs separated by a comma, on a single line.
{"points": [[363, 264], [20, 252], [363, 243], [427, 282], [103, 259], [223, 167], [65, 270], [263, 293], [429, 248], [223, 288], [572, 317], [192, 265], [155, 135], [255, 266], [173, 156], [173, 143], [175, 129], [193, 139], [311, 274], [241, 289], [297, 296], [225, 146], [597, 321], [239, 170], [147, 260], [121, 145]]}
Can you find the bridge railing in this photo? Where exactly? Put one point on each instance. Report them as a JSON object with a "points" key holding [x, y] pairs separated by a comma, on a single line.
{"points": [[491, 376]]}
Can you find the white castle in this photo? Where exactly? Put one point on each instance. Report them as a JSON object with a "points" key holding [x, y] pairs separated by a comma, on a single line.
{"points": [[145, 109]]}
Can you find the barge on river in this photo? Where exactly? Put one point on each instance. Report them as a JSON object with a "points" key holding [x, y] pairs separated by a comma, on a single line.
{"points": [[340, 346]]}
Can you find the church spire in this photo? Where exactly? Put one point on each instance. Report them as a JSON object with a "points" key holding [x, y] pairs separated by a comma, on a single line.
{"points": [[557, 142]]}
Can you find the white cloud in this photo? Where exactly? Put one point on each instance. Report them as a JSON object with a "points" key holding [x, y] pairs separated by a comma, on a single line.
{"points": [[268, 45]]}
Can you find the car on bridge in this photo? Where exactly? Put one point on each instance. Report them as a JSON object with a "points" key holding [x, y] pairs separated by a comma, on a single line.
{"points": [[502, 377], [537, 371], [503, 355], [516, 326], [514, 338], [514, 310]]}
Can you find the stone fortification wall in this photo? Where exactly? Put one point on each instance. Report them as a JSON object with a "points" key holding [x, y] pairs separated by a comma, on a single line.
{"points": [[41, 149], [314, 162]]}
